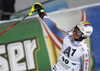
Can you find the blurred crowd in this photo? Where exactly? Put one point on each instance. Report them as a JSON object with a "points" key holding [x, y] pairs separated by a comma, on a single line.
{"points": [[6, 9]]}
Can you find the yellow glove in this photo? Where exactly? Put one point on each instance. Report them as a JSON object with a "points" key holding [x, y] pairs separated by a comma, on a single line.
{"points": [[34, 8]]}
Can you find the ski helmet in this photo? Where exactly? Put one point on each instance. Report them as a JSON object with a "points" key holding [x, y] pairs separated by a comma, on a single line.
{"points": [[85, 28]]}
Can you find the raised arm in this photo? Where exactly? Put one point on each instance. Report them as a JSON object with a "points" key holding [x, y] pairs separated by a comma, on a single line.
{"points": [[52, 25]]}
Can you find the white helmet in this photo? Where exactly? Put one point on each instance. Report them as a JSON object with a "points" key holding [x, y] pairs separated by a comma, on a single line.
{"points": [[85, 28]]}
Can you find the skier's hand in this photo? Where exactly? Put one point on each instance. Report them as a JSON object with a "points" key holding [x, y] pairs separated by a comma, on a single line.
{"points": [[39, 8], [35, 7]]}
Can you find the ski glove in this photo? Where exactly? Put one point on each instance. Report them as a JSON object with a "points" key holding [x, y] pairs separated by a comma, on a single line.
{"points": [[39, 8]]}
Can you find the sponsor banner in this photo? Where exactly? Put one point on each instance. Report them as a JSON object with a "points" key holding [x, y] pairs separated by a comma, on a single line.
{"points": [[23, 47]]}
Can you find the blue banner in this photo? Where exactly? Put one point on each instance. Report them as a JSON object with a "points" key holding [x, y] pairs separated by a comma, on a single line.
{"points": [[93, 14]]}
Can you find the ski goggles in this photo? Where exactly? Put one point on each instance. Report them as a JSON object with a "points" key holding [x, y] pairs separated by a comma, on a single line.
{"points": [[78, 32]]}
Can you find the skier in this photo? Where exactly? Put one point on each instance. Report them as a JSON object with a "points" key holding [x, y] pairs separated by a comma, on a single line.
{"points": [[75, 54]]}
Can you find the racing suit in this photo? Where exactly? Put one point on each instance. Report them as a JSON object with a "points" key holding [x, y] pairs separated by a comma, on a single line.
{"points": [[75, 55]]}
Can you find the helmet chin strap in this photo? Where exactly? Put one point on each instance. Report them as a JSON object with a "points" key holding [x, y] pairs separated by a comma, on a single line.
{"points": [[80, 39]]}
